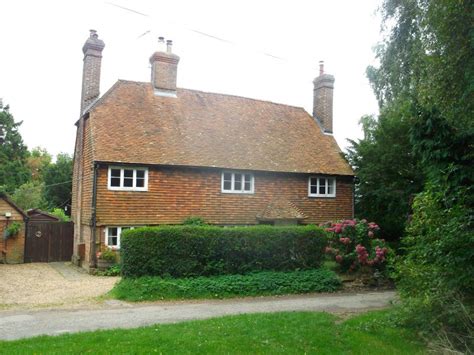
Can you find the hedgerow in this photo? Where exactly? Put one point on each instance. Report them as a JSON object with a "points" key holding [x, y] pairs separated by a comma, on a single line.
{"points": [[149, 288], [187, 251]]}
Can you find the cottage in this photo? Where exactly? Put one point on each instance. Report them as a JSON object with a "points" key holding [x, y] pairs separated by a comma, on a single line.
{"points": [[150, 153]]}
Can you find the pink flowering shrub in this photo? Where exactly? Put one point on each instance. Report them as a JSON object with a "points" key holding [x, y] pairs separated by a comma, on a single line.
{"points": [[356, 243]]}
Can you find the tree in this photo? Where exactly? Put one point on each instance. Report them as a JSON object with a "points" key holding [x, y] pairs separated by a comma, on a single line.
{"points": [[37, 161], [426, 77], [388, 172], [29, 195], [13, 153], [58, 182]]}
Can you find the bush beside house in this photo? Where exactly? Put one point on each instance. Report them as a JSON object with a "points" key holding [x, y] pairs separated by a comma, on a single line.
{"points": [[187, 251]]}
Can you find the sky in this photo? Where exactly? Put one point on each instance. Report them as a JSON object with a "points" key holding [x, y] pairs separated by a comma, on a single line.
{"points": [[267, 50]]}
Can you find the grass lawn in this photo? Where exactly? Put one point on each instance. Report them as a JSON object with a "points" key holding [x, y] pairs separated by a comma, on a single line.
{"points": [[289, 333], [149, 288]]}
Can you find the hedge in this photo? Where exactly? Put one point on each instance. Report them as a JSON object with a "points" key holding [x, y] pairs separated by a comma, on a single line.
{"points": [[188, 251], [265, 283]]}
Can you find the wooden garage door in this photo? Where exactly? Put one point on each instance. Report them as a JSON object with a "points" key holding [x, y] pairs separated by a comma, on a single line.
{"points": [[49, 241]]}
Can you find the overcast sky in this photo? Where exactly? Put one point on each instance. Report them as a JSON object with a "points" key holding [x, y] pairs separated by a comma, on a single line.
{"points": [[266, 50]]}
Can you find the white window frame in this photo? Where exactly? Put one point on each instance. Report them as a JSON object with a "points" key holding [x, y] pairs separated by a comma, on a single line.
{"points": [[119, 233], [126, 188], [232, 184], [317, 194]]}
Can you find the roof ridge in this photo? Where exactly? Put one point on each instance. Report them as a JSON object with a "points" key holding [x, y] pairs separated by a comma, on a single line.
{"points": [[218, 93]]}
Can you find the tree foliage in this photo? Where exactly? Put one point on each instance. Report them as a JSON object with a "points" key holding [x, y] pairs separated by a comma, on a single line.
{"points": [[29, 195], [425, 86], [388, 172], [13, 153], [37, 161], [58, 182]]}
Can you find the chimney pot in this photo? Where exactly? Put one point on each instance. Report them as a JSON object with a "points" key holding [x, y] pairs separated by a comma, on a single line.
{"points": [[321, 67], [169, 44]]}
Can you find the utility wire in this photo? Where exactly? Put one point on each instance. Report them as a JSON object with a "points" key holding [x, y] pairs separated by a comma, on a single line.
{"points": [[208, 35]]}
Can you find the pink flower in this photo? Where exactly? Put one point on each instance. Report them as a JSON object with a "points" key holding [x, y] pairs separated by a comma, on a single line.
{"points": [[371, 234], [338, 228], [338, 258]]}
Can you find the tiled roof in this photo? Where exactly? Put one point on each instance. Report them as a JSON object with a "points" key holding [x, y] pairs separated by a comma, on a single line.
{"points": [[280, 208], [132, 125]]}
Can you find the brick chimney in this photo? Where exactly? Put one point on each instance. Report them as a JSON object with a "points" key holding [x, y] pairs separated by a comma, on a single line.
{"points": [[92, 50], [164, 69], [322, 99]]}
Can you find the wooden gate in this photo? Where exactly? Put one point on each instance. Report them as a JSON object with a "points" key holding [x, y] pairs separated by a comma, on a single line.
{"points": [[49, 241]]}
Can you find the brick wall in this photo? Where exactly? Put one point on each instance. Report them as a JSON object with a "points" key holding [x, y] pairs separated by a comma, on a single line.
{"points": [[81, 212], [177, 193], [12, 250]]}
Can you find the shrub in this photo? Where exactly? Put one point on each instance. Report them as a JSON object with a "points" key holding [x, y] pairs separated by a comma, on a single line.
{"points": [[184, 251], [148, 288], [12, 230], [194, 221], [114, 270], [59, 212], [354, 244], [107, 255], [435, 277]]}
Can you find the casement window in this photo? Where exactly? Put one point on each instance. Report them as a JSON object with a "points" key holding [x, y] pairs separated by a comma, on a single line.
{"points": [[128, 179], [321, 186], [112, 236], [235, 182]]}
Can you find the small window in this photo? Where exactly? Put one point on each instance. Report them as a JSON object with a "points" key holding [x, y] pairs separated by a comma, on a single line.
{"points": [[112, 236], [128, 179], [321, 187], [234, 182]]}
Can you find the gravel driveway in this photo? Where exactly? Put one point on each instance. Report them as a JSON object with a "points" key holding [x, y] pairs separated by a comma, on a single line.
{"points": [[40, 285]]}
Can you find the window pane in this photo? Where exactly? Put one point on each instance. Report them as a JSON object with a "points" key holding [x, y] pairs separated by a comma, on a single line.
{"points": [[115, 177], [112, 241], [330, 186], [313, 190], [112, 231], [227, 185], [115, 182], [238, 182], [115, 172], [227, 176], [127, 178], [248, 182], [140, 182], [322, 186]]}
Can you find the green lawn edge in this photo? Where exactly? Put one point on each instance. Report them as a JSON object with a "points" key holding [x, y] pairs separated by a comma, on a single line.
{"points": [[152, 288], [274, 333]]}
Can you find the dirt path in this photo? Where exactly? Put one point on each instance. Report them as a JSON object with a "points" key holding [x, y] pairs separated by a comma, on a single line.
{"points": [[20, 324], [41, 285]]}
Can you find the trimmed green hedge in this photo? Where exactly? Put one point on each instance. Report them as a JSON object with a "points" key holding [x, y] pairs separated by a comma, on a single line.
{"points": [[187, 251], [265, 283]]}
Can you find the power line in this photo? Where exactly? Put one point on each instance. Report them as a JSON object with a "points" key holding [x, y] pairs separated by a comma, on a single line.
{"points": [[202, 33]]}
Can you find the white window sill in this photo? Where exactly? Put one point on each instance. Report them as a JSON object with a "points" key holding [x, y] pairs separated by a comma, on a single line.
{"points": [[127, 189], [322, 196]]}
